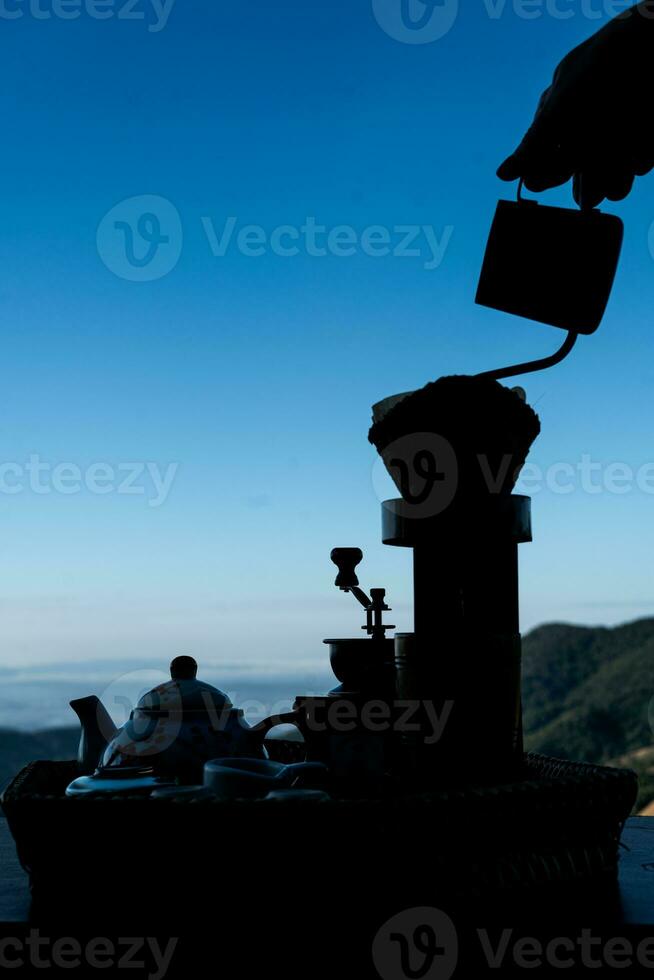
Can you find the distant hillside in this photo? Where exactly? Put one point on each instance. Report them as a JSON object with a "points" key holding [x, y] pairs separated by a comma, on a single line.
{"points": [[17, 749], [587, 694]]}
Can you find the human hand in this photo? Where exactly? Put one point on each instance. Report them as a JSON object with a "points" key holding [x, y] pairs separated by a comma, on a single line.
{"points": [[593, 123]]}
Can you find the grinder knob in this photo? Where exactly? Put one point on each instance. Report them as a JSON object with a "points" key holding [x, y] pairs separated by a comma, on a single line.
{"points": [[346, 560]]}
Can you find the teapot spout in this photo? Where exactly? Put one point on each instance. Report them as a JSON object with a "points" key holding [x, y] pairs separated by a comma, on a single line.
{"points": [[97, 731]]}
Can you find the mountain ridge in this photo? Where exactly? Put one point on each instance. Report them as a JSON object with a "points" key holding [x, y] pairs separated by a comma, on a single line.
{"points": [[588, 695]]}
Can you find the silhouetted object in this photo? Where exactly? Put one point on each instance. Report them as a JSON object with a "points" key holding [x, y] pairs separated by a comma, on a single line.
{"points": [[119, 781], [346, 560], [362, 666], [357, 744], [593, 122], [225, 779], [463, 663], [243, 779], [483, 432], [334, 728], [514, 849], [174, 729], [553, 265], [183, 669], [527, 367], [97, 730]]}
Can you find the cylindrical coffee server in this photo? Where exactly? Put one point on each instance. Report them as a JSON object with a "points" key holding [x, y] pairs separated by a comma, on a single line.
{"points": [[460, 669]]}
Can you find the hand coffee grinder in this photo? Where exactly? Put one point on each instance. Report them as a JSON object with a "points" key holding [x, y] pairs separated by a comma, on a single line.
{"points": [[365, 667], [351, 728]]}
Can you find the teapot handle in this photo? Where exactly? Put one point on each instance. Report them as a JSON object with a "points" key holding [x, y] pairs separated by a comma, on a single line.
{"points": [[286, 718]]}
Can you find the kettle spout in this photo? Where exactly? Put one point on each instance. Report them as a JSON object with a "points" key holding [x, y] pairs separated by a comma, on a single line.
{"points": [[97, 731]]}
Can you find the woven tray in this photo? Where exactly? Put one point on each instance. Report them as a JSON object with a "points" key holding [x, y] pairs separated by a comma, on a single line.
{"points": [[134, 859]]}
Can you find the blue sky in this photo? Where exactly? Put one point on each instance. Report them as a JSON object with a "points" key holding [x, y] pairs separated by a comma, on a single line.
{"points": [[252, 377]]}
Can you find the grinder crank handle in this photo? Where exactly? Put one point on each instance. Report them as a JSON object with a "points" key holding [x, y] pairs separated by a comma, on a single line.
{"points": [[346, 560]]}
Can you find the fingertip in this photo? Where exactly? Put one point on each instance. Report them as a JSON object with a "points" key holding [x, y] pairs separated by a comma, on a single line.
{"points": [[588, 191], [545, 181], [620, 187], [508, 170]]}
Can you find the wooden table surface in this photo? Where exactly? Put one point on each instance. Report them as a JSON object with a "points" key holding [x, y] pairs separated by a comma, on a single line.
{"points": [[636, 876]]}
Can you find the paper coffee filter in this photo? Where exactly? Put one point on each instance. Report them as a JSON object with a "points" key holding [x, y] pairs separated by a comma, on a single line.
{"points": [[489, 427]]}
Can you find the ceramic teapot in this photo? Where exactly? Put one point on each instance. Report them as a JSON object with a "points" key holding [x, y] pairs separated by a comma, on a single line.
{"points": [[173, 730]]}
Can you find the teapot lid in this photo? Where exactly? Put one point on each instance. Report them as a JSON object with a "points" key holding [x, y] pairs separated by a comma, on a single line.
{"points": [[183, 692]]}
